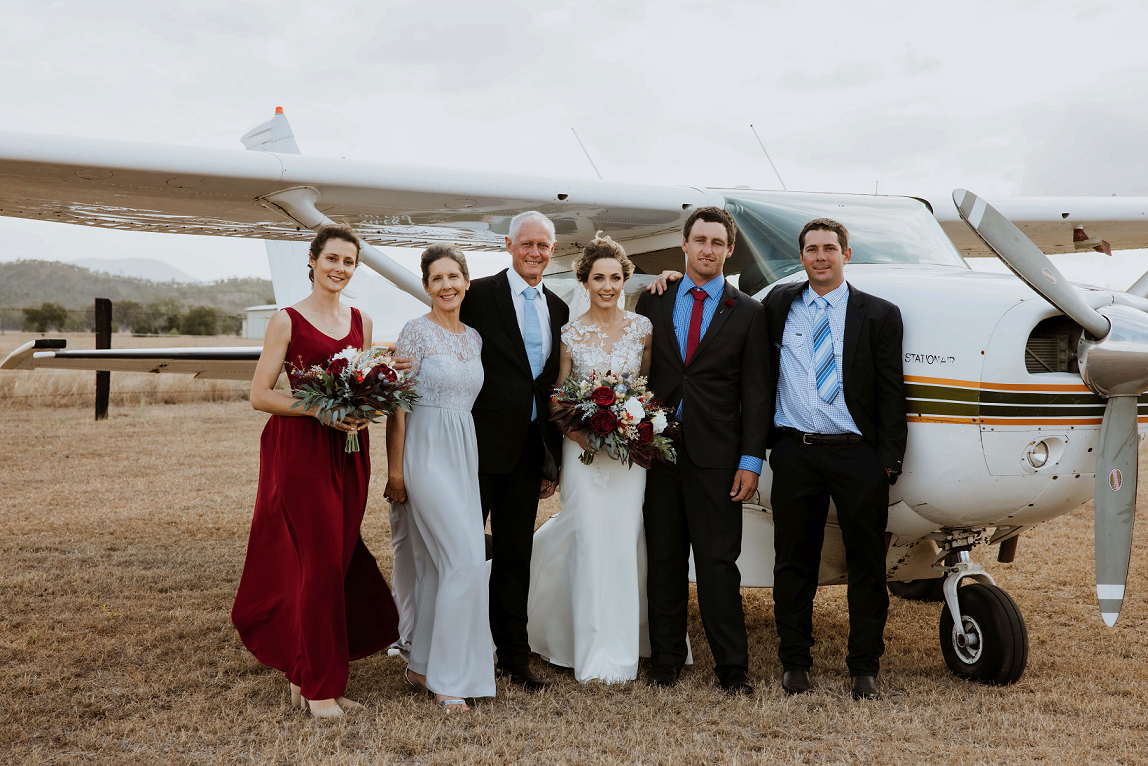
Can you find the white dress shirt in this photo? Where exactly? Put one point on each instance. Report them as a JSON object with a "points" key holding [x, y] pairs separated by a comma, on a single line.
{"points": [[517, 285]]}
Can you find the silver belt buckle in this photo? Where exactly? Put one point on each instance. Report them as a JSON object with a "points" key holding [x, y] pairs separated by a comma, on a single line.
{"points": [[805, 439]]}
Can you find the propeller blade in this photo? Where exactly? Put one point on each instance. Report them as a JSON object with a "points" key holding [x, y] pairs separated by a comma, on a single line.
{"points": [[1115, 503], [1027, 261]]}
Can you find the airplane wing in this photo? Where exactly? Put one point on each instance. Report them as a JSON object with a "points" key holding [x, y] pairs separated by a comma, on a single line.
{"points": [[1057, 224], [223, 363], [193, 190]]}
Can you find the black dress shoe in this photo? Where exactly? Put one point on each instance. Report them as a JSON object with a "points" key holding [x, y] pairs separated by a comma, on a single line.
{"points": [[865, 688], [796, 682], [523, 676], [736, 682], [663, 676]]}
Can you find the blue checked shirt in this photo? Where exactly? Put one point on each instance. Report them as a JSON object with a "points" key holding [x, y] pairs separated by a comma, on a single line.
{"points": [[683, 310], [798, 404]]}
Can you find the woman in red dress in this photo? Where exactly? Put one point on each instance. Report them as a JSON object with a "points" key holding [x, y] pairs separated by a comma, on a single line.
{"points": [[311, 598]]}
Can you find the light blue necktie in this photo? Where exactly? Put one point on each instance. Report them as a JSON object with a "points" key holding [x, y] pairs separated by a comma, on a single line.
{"points": [[824, 364], [532, 335]]}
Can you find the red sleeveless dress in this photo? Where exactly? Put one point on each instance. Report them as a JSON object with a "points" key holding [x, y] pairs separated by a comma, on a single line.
{"points": [[311, 597]]}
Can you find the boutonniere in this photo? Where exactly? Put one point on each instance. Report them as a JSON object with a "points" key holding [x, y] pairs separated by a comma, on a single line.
{"points": [[729, 302]]}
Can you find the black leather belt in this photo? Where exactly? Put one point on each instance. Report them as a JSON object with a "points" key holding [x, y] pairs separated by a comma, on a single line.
{"points": [[821, 439]]}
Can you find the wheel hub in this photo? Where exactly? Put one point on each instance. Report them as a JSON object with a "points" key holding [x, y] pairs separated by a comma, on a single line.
{"points": [[968, 644]]}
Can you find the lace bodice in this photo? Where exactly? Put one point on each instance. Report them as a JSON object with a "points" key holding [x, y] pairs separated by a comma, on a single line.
{"points": [[447, 367], [591, 349]]}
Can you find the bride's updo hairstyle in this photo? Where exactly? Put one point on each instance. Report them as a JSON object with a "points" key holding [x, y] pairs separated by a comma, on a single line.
{"points": [[437, 252], [325, 235], [601, 247]]}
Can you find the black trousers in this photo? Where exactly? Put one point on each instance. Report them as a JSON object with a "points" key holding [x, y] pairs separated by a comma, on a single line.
{"points": [[511, 502], [686, 505], [805, 477]]}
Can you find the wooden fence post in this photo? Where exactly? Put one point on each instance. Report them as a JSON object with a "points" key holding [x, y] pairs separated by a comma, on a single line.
{"points": [[103, 340]]}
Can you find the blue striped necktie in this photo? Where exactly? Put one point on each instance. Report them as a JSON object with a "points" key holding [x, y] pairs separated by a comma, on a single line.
{"points": [[532, 336], [824, 364]]}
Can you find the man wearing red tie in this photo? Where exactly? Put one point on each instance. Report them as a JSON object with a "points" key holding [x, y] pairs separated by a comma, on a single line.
{"points": [[711, 364]]}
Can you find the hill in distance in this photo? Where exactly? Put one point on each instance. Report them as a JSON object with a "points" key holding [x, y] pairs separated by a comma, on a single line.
{"points": [[140, 268], [31, 283]]}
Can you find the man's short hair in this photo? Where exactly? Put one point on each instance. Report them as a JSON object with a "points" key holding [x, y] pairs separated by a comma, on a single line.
{"points": [[824, 224], [530, 215], [712, 214]]}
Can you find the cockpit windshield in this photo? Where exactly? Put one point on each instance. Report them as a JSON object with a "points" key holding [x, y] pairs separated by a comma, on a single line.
{"points": [[881, 230]]}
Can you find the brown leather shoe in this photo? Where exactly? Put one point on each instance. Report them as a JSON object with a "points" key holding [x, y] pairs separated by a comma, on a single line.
{"points": [[796, 682], [865, 688], [523, 676]]}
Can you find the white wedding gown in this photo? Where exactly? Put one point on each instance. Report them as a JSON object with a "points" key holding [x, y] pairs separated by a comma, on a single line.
{"points": [[587, 603]]}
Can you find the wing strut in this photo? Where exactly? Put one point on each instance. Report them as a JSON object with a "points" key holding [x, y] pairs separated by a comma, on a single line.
{"points": [[298, 204]]}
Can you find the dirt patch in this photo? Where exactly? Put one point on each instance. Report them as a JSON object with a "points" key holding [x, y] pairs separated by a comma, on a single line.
{"points": [[121, 545]]}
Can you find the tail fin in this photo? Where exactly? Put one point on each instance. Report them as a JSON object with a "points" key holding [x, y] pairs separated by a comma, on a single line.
{"points": [[272, 136], [387, 305]]}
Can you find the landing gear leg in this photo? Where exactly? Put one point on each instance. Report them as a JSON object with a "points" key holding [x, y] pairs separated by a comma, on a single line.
{"points": [[983, 636]]}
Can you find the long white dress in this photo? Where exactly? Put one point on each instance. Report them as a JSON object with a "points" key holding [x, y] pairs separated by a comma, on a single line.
{"points": [[450, 638], [587, 603]]}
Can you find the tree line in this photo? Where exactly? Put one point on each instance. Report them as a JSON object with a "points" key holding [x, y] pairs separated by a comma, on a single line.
{"points": [[164, 316]]}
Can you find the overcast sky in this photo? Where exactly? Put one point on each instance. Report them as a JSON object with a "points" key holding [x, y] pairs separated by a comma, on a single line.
{"points": [[1005, 99]]}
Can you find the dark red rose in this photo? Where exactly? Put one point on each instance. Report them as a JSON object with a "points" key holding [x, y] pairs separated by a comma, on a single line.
{"points": [[603, 396], [603, 421], [337, 366], [729, 302], [645, 432]]}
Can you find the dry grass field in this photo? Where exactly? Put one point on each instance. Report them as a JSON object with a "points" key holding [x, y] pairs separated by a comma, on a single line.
{"points": [[121, 545]]}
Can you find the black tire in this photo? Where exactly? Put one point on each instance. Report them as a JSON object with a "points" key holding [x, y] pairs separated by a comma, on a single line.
{"points": [[931, 590], [1000, 652]]}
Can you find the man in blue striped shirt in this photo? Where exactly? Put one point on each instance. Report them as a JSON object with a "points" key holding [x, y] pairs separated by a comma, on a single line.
{"points": [[838, 432]]}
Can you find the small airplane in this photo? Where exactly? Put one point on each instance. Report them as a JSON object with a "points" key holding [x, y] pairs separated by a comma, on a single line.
{"points": [[1025, 396]]}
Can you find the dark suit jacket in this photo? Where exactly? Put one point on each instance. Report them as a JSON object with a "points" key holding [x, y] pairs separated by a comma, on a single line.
{"points": [[724, 387], [502, 409], [872, 377]]}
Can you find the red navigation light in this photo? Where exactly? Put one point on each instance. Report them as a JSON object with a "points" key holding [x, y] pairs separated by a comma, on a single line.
{"points": [[278, 110]]}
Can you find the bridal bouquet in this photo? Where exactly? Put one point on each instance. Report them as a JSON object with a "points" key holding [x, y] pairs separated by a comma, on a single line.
{"points": [[354, 382], [620, 417]]}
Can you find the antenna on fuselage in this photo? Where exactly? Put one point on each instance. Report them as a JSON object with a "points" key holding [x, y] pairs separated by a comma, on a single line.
{"points": [[586, 153], [759, 143]]}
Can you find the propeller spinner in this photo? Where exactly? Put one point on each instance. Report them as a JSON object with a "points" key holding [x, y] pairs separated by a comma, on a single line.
{"points": [[1113, 361]]}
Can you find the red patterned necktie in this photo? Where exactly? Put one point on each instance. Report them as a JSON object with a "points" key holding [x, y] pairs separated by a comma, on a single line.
{"points": [[692, 337]]}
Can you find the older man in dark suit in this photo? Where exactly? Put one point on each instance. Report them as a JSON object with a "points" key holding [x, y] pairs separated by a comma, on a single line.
{"points": [[710, 363], [519, 450], [838, 432]]}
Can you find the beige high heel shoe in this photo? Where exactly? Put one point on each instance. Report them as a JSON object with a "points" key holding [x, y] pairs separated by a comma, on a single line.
{"points": [[297, 698], [328, 712], [348, 705]]}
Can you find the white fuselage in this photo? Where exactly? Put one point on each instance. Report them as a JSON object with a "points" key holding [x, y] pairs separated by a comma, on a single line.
{"points": [[974, 411]]}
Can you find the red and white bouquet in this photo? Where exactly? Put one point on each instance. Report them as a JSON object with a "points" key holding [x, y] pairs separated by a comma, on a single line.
{"points": [[356, 383], [620, 416]]}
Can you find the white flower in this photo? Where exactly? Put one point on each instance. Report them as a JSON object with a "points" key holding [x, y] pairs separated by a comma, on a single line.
{"points": [[659, 422], [634, 408]]}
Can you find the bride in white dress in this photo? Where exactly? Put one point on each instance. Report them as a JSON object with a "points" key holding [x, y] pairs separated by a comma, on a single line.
{"points": [[587, 603]]}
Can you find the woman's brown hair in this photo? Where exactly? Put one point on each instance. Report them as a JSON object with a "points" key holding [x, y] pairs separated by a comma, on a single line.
{"points": [[601, 247], [325, 235]]}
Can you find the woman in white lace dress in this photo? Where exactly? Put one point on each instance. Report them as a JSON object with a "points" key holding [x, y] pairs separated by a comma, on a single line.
{"points": [[587, 604], [432, 457]]}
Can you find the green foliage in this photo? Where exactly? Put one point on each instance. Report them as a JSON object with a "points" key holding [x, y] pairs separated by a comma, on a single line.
{"points": [[50, 316], [201, 320]]}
